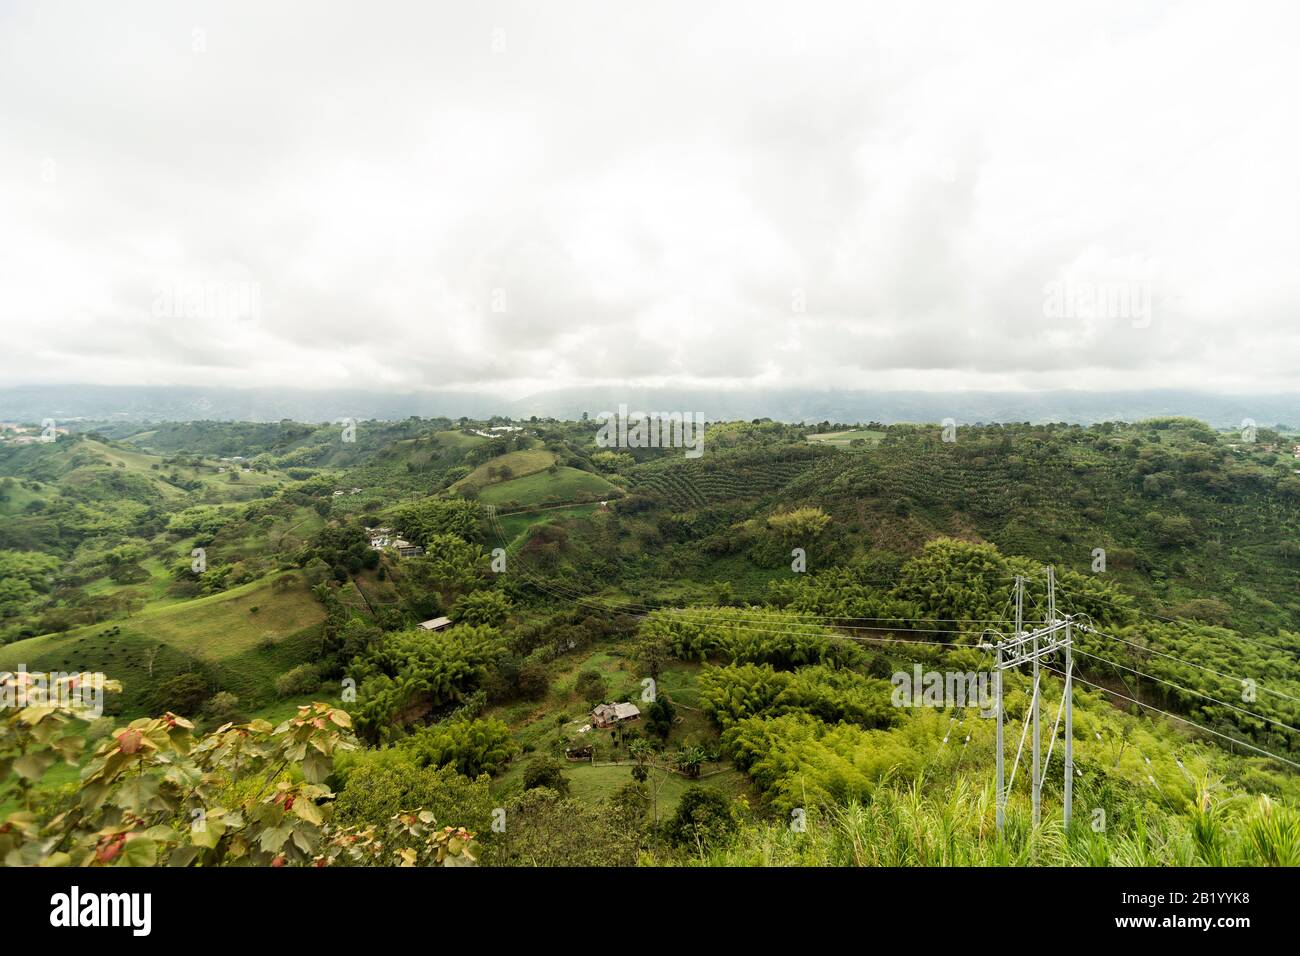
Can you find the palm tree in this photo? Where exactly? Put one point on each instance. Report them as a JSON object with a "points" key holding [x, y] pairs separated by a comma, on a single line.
{"points": [[689, 761]]}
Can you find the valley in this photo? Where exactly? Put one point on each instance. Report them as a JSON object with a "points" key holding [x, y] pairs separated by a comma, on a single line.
{"points": [[749, 609]]}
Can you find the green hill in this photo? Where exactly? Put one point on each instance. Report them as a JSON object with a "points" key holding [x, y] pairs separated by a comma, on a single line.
{"points": [[515, 464], [240, 640], [546, 487], [770, 677]]}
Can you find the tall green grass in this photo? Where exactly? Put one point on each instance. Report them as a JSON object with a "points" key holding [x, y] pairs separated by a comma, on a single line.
{"points": [[904, 825]]}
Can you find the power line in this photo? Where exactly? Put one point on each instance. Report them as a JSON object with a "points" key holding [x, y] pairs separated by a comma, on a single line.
{"points": [[1146, 759], [1173, 620], [831, 618], [722, 619], [1191, 691], [1184, 720], [1209, 670], [1091, 628]]}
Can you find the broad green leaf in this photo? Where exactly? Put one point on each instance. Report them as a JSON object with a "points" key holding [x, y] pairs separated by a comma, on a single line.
{"points": [[140, 851], [136, 794], [183, 856], [308, 811], [273, 838], [33, 766], [316, 767]]}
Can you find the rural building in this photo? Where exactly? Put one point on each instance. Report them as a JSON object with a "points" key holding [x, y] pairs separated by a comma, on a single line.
{"points": [[436, 624], [382, 539], [611, 715]]}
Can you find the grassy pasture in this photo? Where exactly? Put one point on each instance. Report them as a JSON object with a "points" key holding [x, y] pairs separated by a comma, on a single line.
{"points": [[520, 463], [566, 484], [242, 650], [459, 441], [83, 465], [17, 498], [845, 439], [515, 525]]}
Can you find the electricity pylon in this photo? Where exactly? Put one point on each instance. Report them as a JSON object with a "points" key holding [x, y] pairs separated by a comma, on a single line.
{"points": [[1031, 647]]}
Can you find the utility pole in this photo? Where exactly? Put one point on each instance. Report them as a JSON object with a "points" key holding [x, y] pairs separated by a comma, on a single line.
{"points": [[1069, 725], [1001, 757], [1030, 647], [1001, 791], [1036, 796]]}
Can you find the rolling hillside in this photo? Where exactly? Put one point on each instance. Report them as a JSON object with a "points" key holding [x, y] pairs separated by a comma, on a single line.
{"points": [[515, 464], [240, 640], [546, 488], [772, 677]]}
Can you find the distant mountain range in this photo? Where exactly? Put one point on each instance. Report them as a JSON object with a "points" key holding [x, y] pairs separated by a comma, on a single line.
{"points": [[167, 403]]}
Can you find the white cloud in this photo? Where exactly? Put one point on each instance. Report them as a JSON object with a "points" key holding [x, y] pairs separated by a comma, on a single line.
{"points": [[650, 190]]}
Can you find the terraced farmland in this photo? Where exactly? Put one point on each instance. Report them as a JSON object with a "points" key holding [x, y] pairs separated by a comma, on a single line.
{"points": [[688, 485]]}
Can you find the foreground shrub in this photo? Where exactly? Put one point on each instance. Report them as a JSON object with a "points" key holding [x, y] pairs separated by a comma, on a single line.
{"points": [[152, 793]]}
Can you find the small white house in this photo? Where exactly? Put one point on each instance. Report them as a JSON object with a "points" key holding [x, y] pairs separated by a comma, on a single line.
{"points": [[436, 624]]}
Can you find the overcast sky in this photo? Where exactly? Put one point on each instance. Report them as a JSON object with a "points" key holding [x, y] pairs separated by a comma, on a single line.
{"points": [[519, 196]]}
